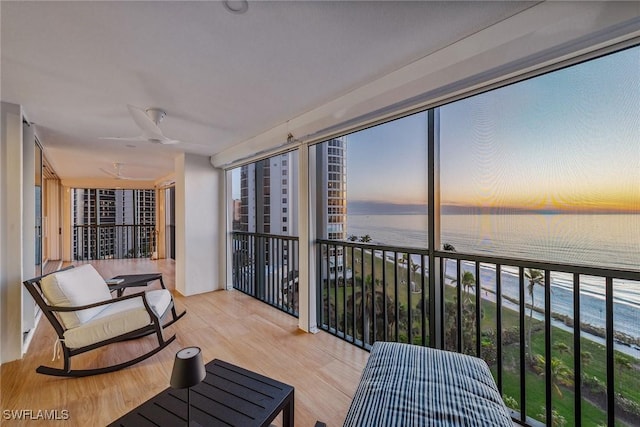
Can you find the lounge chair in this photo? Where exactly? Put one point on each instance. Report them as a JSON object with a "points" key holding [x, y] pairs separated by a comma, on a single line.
{"points": [[78, 304]]}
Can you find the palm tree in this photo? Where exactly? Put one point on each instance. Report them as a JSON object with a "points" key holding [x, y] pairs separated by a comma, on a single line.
{"points": [[364, 313], [365, 239], [468, 281], [560, 374], [535, 277], [352, 238]]}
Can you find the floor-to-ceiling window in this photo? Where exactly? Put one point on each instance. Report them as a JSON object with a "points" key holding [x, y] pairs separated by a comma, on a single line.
{"points": [[113, 223], [548, 169], [371, 188], [535, 254]]}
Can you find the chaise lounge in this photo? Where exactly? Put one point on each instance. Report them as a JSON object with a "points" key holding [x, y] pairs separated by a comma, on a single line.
{"points": [[409, 385], [79, 305]]}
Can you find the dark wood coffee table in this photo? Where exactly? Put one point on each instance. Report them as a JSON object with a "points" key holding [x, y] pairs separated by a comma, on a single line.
{"points": [[228, 396], [133, 280]]}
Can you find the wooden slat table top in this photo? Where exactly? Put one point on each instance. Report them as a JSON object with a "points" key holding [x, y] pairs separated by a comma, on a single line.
{"points": [[228, 396]]}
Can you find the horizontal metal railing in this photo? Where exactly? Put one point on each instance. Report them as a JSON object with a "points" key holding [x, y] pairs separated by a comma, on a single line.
{"points": [[113, 241], [531, 321], [265, 266]]}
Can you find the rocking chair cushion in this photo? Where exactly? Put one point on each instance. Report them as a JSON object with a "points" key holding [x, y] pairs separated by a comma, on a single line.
{"points": [[117, 319], [75, 287]]}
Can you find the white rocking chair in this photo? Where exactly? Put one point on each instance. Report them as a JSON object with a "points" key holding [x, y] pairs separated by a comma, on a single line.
{"points": [[78, 304]]}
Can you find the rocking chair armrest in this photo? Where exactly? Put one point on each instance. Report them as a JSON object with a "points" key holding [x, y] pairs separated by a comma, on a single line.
{"points": [[97, 304]]}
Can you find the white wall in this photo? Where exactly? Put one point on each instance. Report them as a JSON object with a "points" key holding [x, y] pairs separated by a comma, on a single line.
{"points": [[200, 225], [10, 232]]}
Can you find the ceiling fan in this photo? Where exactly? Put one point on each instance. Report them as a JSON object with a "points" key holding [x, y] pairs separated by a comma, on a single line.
{"points": [[117, 173], [147, 120]]}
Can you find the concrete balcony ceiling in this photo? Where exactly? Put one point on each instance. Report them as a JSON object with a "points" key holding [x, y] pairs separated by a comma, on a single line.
{"points": [[227, 80]]}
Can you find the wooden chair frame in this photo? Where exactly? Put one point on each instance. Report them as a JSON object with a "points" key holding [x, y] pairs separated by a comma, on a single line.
{"points": [[49, 311]]}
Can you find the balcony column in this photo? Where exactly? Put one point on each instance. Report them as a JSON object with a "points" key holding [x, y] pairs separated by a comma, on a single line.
{"points": [[307, 249], [200, 225]]}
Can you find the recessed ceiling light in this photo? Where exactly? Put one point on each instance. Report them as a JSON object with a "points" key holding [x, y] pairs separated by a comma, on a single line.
{"points": [[236, 6]]}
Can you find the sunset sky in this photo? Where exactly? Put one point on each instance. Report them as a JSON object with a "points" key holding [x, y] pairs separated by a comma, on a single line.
{"points": [[568, 140]]}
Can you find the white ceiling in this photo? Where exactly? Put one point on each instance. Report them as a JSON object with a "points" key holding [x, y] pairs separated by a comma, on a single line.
{"points": [[222, 78]]}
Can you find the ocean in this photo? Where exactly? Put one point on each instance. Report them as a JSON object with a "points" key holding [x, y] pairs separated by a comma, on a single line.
{"points": [[606, 240]]}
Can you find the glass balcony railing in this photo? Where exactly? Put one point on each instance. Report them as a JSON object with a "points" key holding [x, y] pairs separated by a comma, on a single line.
{"points": [[113, 241], [562, 341], [265, 266]]}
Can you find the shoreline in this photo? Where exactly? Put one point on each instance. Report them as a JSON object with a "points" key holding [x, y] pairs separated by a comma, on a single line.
{"points": [[629, 348], [618, 345]]}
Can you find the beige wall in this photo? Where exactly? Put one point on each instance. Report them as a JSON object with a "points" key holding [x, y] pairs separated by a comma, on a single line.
{"points": [[11, 160]]}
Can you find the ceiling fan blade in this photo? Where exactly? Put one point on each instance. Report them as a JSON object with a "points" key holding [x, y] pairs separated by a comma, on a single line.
{"points": [[124, 178], [128, 178], [169, 141], [113, 174], [143, 121], [124, 138]]}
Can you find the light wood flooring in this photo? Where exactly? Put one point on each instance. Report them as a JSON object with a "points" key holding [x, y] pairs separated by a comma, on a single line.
{"points": [[227, 325]]}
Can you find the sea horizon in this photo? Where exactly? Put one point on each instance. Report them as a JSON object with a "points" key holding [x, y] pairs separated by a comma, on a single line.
{"points": [[372, 207]]}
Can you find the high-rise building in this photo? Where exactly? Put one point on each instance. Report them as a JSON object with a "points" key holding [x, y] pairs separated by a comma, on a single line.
{"points": [[272, 206], [331, 196], [113, 223], [331, 190]]}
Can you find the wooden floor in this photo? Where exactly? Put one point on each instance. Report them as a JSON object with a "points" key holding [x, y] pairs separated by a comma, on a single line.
{"points": [[226, 325]]}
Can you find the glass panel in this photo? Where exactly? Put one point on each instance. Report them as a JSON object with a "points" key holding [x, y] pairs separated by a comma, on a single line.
{"points": [[547, 168], [371, 189], [372, 185], [252, 188]]}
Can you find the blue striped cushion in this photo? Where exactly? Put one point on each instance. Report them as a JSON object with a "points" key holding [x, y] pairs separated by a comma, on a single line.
{"points": [[408, 385]]}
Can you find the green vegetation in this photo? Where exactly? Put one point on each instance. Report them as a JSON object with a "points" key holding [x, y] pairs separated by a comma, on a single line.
{"points": [[402, 286]]}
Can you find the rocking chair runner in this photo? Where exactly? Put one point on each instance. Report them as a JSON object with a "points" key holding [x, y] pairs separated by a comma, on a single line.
{"points": [[78, 304]]}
